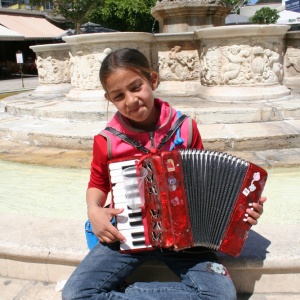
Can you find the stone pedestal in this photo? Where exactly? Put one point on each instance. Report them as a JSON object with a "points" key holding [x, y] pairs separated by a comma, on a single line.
{"points": [[86, 56], [242, 62], [53, 65], [186, 15]]}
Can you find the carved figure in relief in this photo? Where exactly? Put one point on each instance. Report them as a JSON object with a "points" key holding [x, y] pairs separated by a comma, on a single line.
{"points": [[50, 70], [209, 66], [72, 62], [164, 70], [66, 70], [273, 63], [179, 65], [84, 69], [73, 66], [258, 63], [95, 67], [236, 58], [293, 61], [41, 71]]}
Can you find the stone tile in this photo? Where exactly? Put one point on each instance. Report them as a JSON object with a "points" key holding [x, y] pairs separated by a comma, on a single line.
{"points": [[59, 271], [258, 130], [39, 291], [280, 157], [268, 296], [3, 267], [262, 281], [9, 288], [25, 268]]}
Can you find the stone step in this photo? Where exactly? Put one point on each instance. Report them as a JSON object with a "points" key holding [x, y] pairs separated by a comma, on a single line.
{"points": [[204, 112], [64, 133], [50, 120], [49, 253]]}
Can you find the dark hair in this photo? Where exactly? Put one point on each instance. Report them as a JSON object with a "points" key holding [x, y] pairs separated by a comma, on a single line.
{"points": [[125, 58]]}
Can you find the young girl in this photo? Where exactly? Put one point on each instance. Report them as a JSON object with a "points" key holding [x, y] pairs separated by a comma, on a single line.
{"points": [[129, 83]]}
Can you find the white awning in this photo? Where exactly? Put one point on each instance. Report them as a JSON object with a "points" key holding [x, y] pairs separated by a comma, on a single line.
{"points": [[31, 27], [288, 17], [10, 35]]}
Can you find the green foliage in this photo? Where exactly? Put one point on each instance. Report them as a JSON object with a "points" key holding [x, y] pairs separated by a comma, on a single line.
{"points": [[265, 15], [121, 15], [125, 15], [75, 11]]}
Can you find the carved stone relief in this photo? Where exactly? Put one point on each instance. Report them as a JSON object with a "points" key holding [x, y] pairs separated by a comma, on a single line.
{"points": [[238, 64], [179, 65], [53, 69], [292, 62], [84, 69]]}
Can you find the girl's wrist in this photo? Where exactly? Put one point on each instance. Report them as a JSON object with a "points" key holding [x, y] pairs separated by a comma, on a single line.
{"points": [[93, 204]]}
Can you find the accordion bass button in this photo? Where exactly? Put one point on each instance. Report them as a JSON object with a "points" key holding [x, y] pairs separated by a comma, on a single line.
{"points": [[172, 180]]}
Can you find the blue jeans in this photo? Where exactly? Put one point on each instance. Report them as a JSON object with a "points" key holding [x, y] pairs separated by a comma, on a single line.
{"points": [[102, 271]]}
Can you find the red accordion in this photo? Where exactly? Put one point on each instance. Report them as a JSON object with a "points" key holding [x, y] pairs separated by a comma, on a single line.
{"points": [[192, 198]]}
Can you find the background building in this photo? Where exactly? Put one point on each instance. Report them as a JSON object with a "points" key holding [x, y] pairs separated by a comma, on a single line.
{"points": [[22, 26]]}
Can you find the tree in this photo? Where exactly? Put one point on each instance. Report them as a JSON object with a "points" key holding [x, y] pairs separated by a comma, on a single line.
{"points": [[125, 15], [75, 11], [265, 15]]}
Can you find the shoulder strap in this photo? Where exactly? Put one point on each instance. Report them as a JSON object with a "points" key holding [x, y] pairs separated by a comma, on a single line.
{"points": [[138, 145], [175, 126], [127, 139]]}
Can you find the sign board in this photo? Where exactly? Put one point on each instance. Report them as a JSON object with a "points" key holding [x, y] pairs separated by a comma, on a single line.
{"points": [[19, 56], [293, 5]]}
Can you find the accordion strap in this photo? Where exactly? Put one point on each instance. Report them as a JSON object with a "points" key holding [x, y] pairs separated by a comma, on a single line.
{"points": [[138, 145]]}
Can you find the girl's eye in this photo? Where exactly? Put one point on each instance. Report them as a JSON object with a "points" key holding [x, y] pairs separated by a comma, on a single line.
{"points": [[118, 97], [137, 87]]}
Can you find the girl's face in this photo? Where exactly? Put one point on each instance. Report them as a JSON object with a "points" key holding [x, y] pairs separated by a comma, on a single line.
{"points": [[133, 97]]}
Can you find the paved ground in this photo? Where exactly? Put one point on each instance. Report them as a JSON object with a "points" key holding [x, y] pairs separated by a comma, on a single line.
{"points": [[17, 84]]}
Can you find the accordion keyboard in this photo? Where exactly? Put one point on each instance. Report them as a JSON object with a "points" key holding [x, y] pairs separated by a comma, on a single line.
{"points": [[129, 222]]}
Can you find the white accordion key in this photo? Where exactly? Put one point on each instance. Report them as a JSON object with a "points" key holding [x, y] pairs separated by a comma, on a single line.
{"points": [[134, 239], [129, 218]]}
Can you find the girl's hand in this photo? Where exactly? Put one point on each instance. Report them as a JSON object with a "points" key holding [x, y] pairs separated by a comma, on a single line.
{"points": [[255, 211], [101, 222]]}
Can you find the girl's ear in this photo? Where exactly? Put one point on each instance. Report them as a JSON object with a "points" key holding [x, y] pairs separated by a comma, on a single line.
{"points": [[107, 97], [154, 80]]}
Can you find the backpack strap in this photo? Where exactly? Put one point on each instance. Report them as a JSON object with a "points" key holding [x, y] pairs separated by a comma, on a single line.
{"points": [[138, 145]]}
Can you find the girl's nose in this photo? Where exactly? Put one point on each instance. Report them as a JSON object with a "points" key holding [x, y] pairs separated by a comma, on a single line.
{"points": [[132, 98]]}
